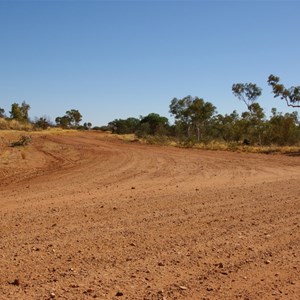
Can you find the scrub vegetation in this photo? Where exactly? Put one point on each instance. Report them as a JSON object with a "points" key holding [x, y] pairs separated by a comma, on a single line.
{"points": [[197, 122]]}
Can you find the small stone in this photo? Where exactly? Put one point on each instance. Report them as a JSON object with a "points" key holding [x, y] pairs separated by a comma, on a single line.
{"points": [[52, 295], [267, 262], [209, 289], [119, 294], [88, 291], [16, 282], [160, 264], [224, 273], [183, 288]]}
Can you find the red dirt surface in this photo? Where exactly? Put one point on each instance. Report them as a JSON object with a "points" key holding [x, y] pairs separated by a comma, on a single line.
{"points": [[87, 217]]}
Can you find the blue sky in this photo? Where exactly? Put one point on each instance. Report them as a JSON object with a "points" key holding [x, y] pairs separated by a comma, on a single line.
{"points": [[119, 59]]}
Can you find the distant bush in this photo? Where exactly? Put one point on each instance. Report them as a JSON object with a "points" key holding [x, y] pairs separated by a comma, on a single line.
{"points": [[42, 123], [187, 142], [157, 140]]}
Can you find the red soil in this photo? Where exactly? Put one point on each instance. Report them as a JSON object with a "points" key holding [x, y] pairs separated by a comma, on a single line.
{"points": [[83, 217]]}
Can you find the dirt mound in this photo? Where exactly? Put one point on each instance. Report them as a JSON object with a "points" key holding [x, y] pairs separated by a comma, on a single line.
{"points": [[83, 217]]}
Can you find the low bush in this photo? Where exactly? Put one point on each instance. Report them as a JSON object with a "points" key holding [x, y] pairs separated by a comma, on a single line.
{"points": [[23, 141], [157, 140]]}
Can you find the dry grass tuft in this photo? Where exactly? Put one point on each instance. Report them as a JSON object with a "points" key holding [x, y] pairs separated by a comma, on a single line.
{"points": [[14, 125], [272, 149], [4, 125], [213, 145]]}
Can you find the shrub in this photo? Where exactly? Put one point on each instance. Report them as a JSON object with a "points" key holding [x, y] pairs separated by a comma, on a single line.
{"points": [[23, 141]]}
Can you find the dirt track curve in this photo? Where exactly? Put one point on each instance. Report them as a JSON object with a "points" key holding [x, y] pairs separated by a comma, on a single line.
{"points": [[87, 217]]}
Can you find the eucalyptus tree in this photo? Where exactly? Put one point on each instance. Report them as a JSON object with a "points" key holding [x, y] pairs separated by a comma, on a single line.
{"points": [[20, 112], [179, 108], [290, 95], [74, 116], [247, 92], [71, 119], [229, 127], [193, 114], [2, 113]]}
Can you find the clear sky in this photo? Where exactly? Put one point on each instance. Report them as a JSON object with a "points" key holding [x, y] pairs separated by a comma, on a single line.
{"points": [[119, 59]]}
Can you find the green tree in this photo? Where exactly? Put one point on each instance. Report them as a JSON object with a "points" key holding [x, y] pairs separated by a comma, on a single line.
{"points": [[20, 112], [87, 125], [246, 92], [283, 129], [2, 113], [42, 122], [253, 125], [192, 115], [16, 112], [154, 124], [290, 95], [63, 122], [25, 109], [121, 126], [256, 123], [179, 108], [200, 113], [229, 127], [74, 116]]}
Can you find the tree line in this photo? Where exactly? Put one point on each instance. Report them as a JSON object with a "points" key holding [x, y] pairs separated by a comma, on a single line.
{"points": [[19, 113], [197, 120]]}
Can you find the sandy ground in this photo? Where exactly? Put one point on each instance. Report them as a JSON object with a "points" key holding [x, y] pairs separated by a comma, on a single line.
{"points": [[86, 217]]}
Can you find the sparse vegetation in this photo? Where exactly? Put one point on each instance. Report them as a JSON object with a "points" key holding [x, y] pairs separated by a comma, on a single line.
{"points": [[197, 123], [42, 123]]}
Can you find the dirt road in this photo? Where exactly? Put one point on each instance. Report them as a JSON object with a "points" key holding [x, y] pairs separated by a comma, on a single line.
{"points": [[87, 217]]}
